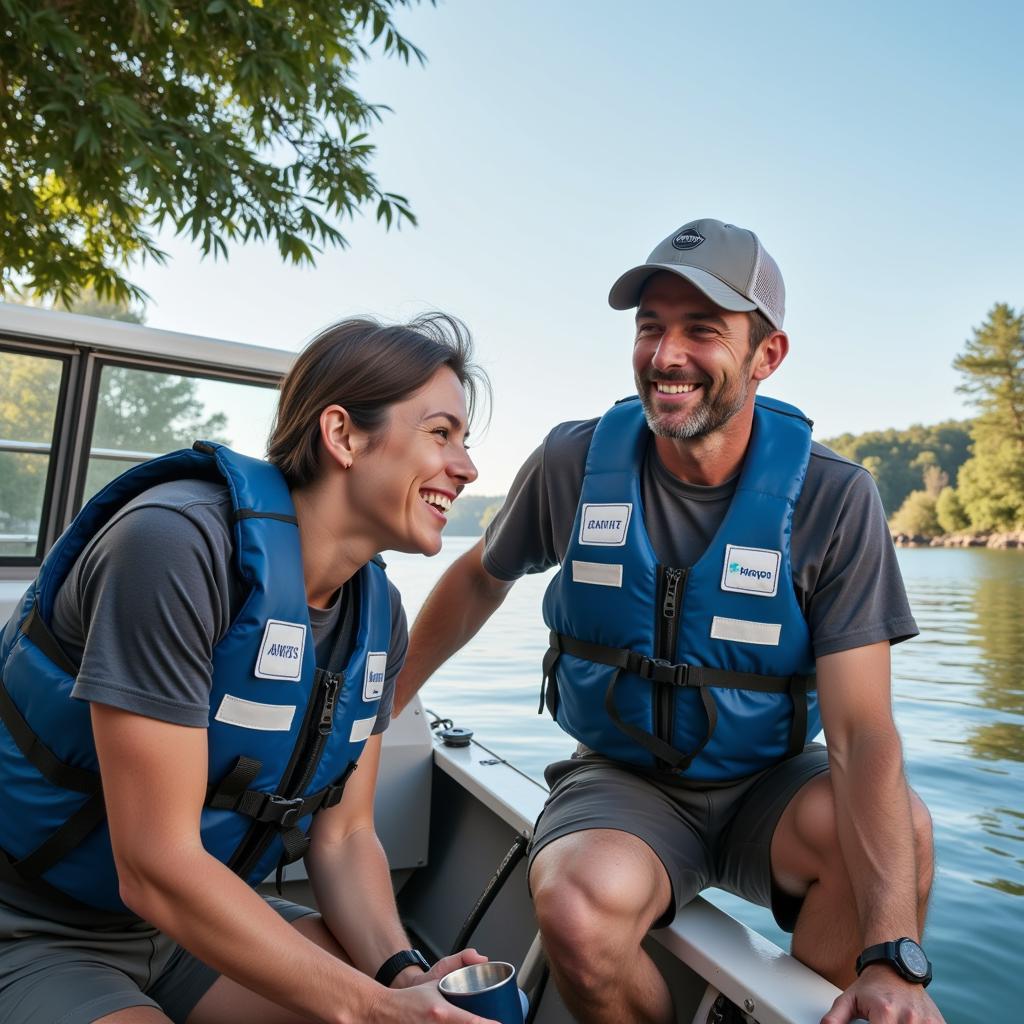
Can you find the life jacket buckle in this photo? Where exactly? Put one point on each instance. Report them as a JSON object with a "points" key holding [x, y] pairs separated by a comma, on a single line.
{"points": [[282, 811]]}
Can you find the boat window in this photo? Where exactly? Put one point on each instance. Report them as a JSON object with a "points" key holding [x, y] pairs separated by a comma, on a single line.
{"points": [[30, 388], [144, 412]]}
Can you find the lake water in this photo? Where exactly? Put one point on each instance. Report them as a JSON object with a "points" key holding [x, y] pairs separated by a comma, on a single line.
{"points": [[959, 703]]}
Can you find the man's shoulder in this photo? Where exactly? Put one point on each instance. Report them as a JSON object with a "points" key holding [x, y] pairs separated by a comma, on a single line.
{"points": [[835, 468], [569, 441]]}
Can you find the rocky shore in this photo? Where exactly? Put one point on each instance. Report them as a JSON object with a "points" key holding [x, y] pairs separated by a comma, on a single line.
{"points": [[1013, 539]]}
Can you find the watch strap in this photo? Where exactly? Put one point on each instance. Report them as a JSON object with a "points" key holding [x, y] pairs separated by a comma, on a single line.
{"points": [[883, 952], [890, 953], [394, 965]]}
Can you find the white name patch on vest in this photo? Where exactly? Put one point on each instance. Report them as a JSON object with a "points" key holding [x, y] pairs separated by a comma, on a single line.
{"points": [[280, 654], [605, 525], [751, 570], [597, 572], [247, 714], [361, 729], [743, 631], [373, 681]]}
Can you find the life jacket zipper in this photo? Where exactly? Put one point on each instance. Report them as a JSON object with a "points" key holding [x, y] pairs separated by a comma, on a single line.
{"points": [[671, 585], [312, 741]]}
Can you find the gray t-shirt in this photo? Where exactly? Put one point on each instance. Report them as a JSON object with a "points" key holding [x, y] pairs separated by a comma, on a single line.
{"points": [[143, 608], [845, 573], [154, 593]]}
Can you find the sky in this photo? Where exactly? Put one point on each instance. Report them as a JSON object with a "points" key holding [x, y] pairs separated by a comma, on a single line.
{"points": [[546, 147]]}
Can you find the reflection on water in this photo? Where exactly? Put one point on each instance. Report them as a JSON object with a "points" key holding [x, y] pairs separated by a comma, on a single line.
{"points": [[958, 697]]}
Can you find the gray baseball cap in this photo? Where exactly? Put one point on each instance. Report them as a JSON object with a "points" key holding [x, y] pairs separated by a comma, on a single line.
{"points": [[728, 264]]}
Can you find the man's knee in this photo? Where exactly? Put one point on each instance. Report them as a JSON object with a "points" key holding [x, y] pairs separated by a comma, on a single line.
{"points": [[596, 897]]}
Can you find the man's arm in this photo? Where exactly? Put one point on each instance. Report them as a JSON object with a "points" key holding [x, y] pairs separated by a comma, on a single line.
{"points": [[349, 873], [154, 784], [875, 827], [465, 597]]}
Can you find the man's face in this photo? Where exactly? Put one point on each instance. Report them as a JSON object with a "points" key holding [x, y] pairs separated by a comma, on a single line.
{"points": [[691, 359]]}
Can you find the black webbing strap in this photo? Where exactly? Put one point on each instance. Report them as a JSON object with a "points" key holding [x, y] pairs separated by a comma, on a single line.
{"points": [[58, 845], [39, 633], [660, 671], [44, 760], [699, 677], [554, 652], [659, 748], [798, 689], [251, 513], [232, 794]]}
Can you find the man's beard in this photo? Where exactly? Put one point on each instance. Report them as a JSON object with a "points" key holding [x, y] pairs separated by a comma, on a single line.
{"points": [[711, 413]]}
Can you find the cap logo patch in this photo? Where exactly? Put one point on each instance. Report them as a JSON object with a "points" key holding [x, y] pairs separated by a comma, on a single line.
{"points": [[688, 239]]}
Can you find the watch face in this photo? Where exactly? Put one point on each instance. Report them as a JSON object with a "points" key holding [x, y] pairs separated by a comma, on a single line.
{"points": [[913, 958]]}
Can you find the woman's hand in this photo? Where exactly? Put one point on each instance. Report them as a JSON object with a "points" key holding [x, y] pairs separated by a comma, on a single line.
{"points": [[444, 966], [421, 1004]]}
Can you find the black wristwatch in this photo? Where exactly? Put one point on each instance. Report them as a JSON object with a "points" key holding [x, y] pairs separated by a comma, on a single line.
{"points": [[394, 965], [904, 956]]}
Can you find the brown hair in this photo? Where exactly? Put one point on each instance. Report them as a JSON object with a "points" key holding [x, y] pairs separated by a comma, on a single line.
{"points": [[760, 328], [365, 366]]}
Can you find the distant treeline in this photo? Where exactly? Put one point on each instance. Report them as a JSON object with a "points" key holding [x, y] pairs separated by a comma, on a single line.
{"points": [[959, 477], [471, 513], [904, 461]]}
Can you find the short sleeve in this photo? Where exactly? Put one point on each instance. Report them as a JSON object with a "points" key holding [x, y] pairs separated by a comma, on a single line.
{"points": [[151, 613], [858, 597], [530, 532]]}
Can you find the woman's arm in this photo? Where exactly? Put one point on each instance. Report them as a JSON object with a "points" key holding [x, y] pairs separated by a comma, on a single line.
{"points": [[154, 784], [348, 870]]}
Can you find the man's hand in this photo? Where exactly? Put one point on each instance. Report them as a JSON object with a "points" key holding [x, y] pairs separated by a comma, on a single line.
{"points": [[410, 977], [883, 997]]}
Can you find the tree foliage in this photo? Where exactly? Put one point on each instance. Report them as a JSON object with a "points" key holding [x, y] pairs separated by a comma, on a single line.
{"points": [[470, 515], [916, 516], [228, 121], [991, 484], [901, 461], [949, 512]]}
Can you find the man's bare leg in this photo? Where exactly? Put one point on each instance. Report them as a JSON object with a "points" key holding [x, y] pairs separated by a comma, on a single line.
{"points": [[806, 859], [596, 894]]}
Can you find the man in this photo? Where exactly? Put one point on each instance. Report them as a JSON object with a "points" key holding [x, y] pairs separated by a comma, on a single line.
{"points": [[725, 586]]}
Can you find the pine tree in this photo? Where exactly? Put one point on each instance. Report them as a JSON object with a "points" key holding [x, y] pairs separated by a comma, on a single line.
{"points": [[990, 484]]}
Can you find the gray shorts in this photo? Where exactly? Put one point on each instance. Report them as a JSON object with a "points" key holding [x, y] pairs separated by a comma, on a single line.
{"points": [[57, 973], [705, 835]]}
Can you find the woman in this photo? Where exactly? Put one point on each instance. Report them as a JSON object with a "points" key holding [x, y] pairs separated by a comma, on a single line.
{"points": [[215, 641]]}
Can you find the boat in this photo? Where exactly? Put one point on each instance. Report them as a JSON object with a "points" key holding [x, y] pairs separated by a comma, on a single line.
{"points": [[453, 816]]}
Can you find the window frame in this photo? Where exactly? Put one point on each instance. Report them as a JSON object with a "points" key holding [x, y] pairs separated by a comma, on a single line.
{"points": [[83, 360], [56, 449], [96, 364]]}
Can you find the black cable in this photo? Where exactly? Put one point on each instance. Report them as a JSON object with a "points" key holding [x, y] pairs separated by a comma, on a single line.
{"points": [[437, 722], [508, 864]]}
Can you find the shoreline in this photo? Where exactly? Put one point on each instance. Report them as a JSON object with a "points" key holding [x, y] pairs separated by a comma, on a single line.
{"points": [[1001, 540]]}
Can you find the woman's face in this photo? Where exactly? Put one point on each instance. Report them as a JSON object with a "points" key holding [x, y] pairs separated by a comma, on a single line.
{"points": [[407, 483]]}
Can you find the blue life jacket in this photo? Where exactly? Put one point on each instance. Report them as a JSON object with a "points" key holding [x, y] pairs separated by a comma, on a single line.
{"points": [[707, 671], [283, 734]]}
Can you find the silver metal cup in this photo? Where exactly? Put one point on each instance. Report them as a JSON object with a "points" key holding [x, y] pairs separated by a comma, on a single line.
{"points": [[488, 990]]}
